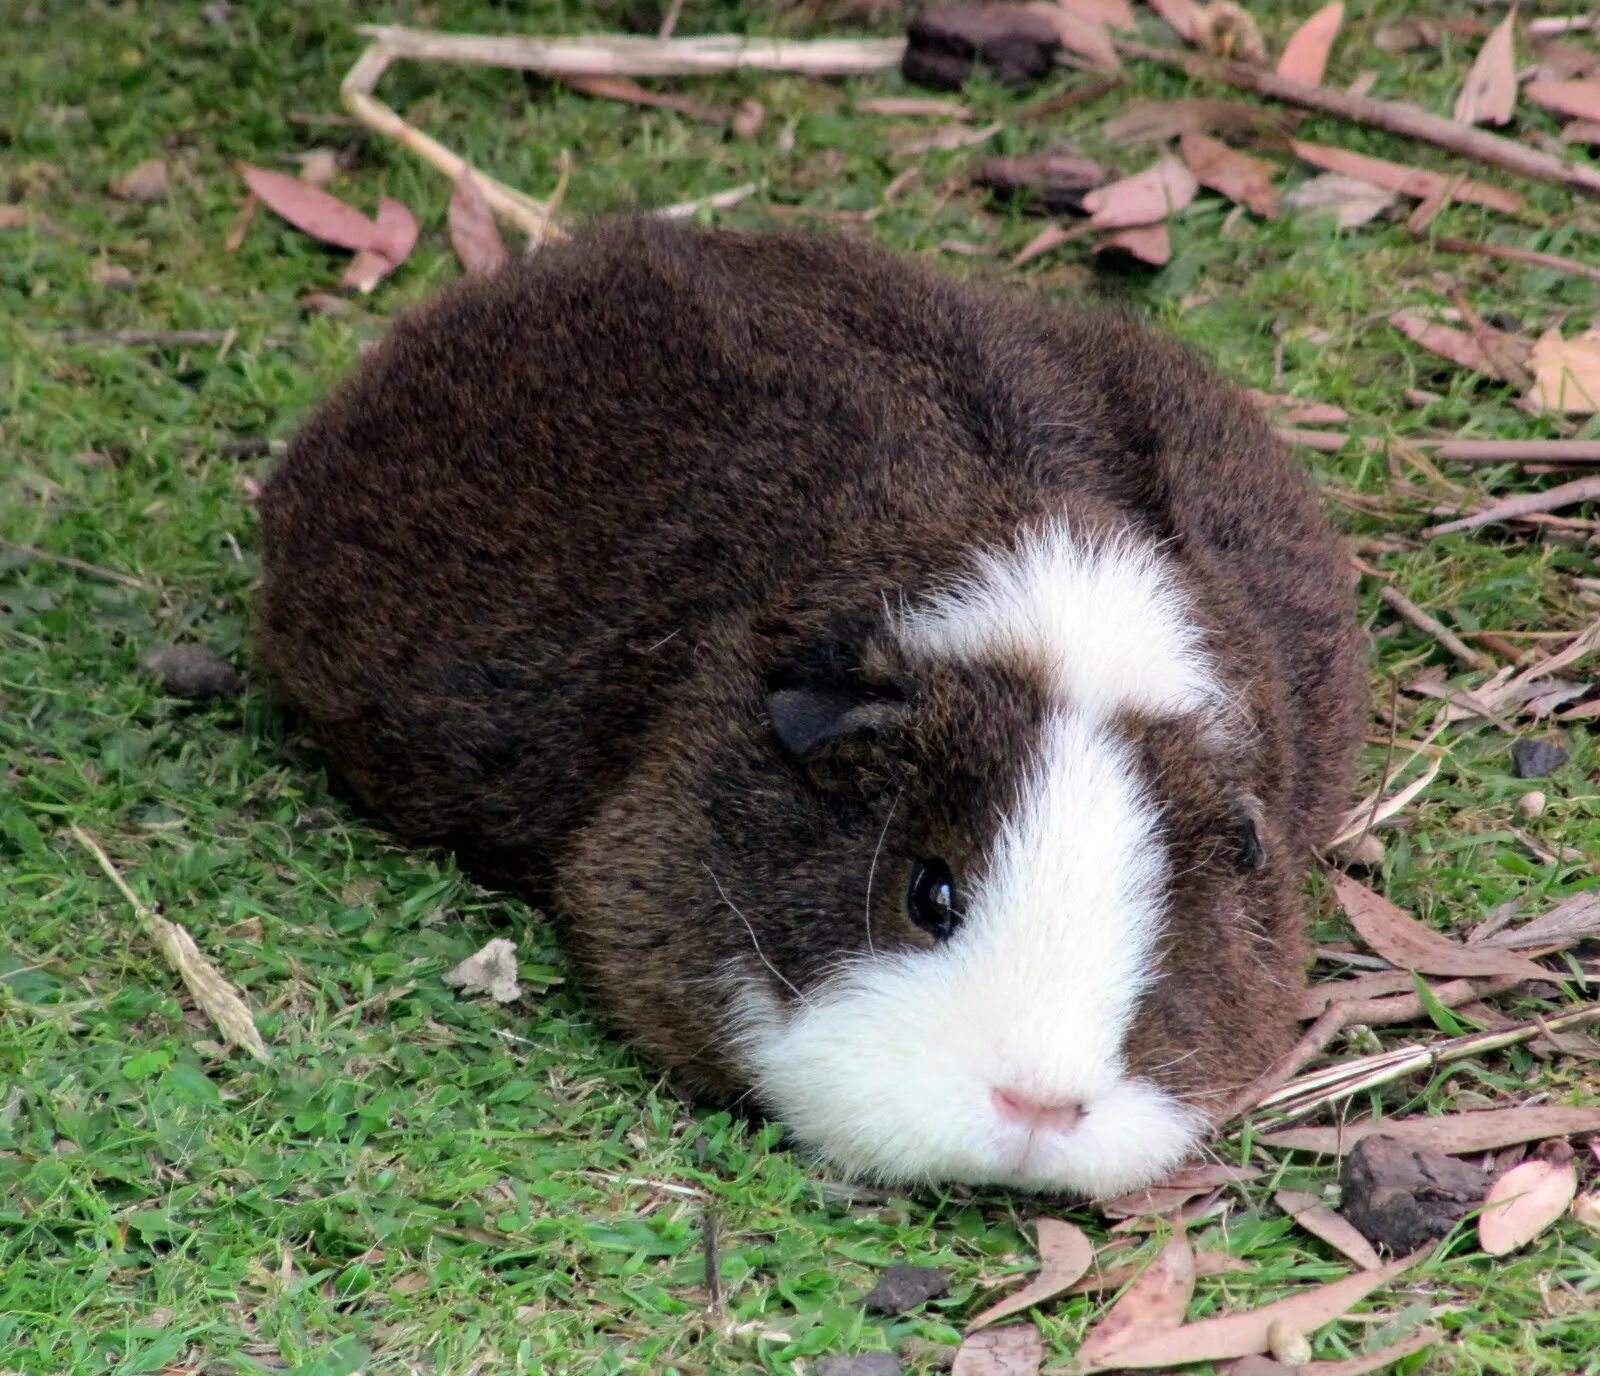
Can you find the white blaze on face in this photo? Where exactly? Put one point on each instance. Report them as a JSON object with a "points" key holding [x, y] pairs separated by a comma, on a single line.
{"points": [[891, 1067]]}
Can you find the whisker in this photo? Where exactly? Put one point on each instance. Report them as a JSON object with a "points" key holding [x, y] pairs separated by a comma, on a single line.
{"points": [[762, 955], [872, 869]]}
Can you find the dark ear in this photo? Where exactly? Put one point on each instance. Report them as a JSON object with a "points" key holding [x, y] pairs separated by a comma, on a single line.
{"points": [[1249, 822], [808, 718]]}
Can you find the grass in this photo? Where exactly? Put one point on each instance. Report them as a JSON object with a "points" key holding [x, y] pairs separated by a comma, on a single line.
{"points": [[419, 1183]]}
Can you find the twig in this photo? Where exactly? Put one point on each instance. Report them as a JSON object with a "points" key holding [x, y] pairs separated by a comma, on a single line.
{"points": [[708, 1241], [720, 201], [1447, 638], [1395, 118], [1323, 441], [669, 21], [1359, 820], [1511, 254], [164, 339], [1513, 451], [1069, 100], [67, 561], [211, 989], [1523, 504]]}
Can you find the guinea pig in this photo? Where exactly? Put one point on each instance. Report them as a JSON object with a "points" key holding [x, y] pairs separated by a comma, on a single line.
{"points": [[915, 703]]}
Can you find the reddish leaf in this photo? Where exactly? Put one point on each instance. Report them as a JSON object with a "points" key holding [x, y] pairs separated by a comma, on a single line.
{"points": [[1117, 14], [1142, 199], [1526, 1200], [396, 236], [1373, 1361], [1148, 243], [313, 211], [1404, 942], [1154, 1304], [1352, 200], [1175, 1190], [1086, 37], [1235, 175], [1205, 1264], [1408, 181], [1566, 373], [1490, 94], [614, 86], [1182, 15], [473, 232], [1585, 131], [1334, 1229], [1240, 1335], [1014, 1351], [1455, 1134], [1580, 98], [1305, 55], [1065, 1253], [1049, 238], [1488, 351]]}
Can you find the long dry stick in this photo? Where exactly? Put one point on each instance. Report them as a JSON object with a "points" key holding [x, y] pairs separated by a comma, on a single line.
{"points": [[66, 561], [1512, 254], [1447, 638], [1395, 118], [1512, 451], [210, 987], [1523, 504]]}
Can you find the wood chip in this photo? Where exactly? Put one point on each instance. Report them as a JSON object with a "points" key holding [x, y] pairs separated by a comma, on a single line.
{"points": [[1305, 56], [1455, 1134], [1233, 174], [1050, 182], [1142, 199], [1490, 94], [1322, 1222], [1065, 1254], [1526, 1200], [1153, 1305], [1416, 182]]}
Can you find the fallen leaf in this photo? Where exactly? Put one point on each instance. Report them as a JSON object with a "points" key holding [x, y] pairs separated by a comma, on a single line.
{"points": [[1238, 176], [396, 236], [1305, 55], [1049, 238], [1566, 373], [1586, 1210], [1415, 182], [1352, 200], [1526, 1200], [1153, 1305], [1182, 15], [1584, 131], [1579, 98], [145, 183], [1227, 30], [1086, 37], [1403, 941], [1142, 199], [1491, 352], [1175, 1190], [913, 107], [615, 86], [1148, 243], [311, 210], [1373, 1361], [1065, 1253], [1205, 1264], [13, 216], [1455, 1134], [1295, 411], [491, 971], [1239, 1335], [1014, 1351], [1333, 1228], [1560, 61], [1155, 121], [1408, 36], [1490, 94], [473, 232], [1572, 920], [1118, 14]]}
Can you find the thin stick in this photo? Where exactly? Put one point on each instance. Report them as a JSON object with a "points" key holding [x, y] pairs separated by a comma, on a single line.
{"points": [[1513, 451], [67, 561], [1447, 638], [1387, 1009], [211, 989], [165, 339], [1523, 504], [1510, 254], [1395, 118], [1323, 441]]}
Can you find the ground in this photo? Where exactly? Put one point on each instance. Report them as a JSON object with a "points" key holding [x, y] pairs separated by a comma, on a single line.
{"points": [[423, 1183]]}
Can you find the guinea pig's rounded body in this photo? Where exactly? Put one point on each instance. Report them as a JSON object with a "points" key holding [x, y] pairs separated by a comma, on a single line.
{"points": [[916, 703]]}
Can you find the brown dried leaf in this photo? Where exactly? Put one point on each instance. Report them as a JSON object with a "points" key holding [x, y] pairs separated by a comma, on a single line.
{"points": [[1469, 350], [1572, 920], [1205, 1264], [1566, 373], [1579, 98], [1305, 55], [1065, 1253], [1322, 1222], [1584, 131], [1490, 94], [1051, 182], [1148, 243], [1182, 15], [1014, 1351], [1142, 199], [911, 107], [1175, 1190], [1116, 14], [1373, 1361], [1455, 1134], [1408, 181], [1235, 175], [1227, 30], [1403, 941], [395, 237], [145, 183], [615, 86], [1526, 1200], [1086, 37], [313, 211], [1153, 121], [473, 232], [1153, 1305], [1049, 238], [1240, 1335], [1352, 200], [1294, 411]]}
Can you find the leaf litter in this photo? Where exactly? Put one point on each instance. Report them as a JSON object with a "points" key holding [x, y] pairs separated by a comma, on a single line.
{"points": [[1527, 1199], [1065, 1254]]}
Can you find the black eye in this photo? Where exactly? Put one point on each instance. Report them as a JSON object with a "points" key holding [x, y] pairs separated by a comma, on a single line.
{"points": [[932, 899]]}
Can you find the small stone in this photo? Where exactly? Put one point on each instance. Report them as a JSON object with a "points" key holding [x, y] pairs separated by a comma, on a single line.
{"points": [[1403, 1197], [1536, 759], [903, 1288], [864, 1364], [145, 183], [1287, 1343], [491, 971], [1530, 805], [192, 671]]}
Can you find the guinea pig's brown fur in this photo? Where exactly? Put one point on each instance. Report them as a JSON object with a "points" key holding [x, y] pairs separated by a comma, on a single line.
{"points": [[635, 573]]}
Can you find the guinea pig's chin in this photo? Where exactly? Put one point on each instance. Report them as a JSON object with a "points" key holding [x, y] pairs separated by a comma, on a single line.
{"points": [[896, 1112]]}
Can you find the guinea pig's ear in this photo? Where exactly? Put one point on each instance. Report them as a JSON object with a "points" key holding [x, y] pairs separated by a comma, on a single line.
{"points": [[805, 719], [1250, 826]]}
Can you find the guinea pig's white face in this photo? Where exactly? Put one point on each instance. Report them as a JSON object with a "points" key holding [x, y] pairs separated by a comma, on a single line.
{"points": [[998, 1056]]}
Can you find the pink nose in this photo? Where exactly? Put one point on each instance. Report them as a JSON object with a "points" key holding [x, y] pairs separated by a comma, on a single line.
{"points": [[1016, 1106]]}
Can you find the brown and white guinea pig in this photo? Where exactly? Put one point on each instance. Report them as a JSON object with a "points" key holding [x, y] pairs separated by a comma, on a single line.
{"points": [[917, 703]]}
